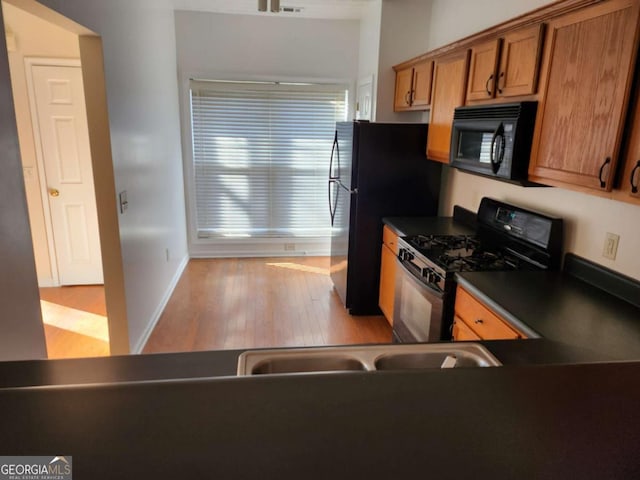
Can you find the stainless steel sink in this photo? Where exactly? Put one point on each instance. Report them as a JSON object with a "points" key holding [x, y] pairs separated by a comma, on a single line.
{"points": [[457, 359], [365, 358], [300, 363]]}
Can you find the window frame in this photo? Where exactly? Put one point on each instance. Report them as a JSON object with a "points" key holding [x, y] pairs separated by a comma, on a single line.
{"points": [[215, 247]]}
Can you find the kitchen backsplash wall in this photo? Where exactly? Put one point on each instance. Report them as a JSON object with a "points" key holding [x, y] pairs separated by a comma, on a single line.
{"points": [[587, 217]]}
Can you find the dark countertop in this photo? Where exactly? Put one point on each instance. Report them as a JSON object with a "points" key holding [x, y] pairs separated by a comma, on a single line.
{"points": [[406, 226], [125, 368], [220, 363], [576, 421], [560, 307]]}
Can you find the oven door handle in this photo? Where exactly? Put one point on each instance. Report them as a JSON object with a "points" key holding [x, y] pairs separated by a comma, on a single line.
{"points": [[417, 281]]}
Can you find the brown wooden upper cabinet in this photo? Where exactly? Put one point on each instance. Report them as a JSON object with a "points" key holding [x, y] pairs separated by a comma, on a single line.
{"points": [[587, 75], [506, 66], [449, 87], [629, 187], [413, 87]]}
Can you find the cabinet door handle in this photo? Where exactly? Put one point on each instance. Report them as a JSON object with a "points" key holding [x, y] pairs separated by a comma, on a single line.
{"points": [[603, 183], [486, 85], [407, 100], [499, 87], [634, 187], [479, 321]]}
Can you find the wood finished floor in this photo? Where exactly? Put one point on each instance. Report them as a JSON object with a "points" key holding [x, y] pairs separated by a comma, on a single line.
{"points": [[259, 302], [65, 339]]}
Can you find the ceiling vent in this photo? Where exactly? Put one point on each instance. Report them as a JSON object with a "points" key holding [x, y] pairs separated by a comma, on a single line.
{"points": [[274, 7], [288, 9]]}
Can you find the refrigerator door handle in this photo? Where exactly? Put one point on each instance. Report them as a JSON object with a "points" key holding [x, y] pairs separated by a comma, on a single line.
{"points": [[334, 150], [333, 205]]}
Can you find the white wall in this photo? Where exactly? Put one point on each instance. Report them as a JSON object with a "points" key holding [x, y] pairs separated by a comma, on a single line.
{"points": [[404, 34], [139, 50], [369, 44], [588, 217], [254, 47], [452, 20], [243, 47], [21, 330]]}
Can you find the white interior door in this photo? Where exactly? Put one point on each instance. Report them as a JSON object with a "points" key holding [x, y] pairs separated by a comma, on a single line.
{"points": [[364, 105], [61, 125]]}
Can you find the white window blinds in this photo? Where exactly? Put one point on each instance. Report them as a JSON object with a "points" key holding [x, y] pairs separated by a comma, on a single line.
{"points": [[261, 157]]}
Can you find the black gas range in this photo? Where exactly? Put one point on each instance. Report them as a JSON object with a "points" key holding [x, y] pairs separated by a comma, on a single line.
{"points": [[507, 237]]}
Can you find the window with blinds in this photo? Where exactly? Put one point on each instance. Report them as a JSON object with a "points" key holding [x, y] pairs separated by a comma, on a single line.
{"points": [[261, 157]]}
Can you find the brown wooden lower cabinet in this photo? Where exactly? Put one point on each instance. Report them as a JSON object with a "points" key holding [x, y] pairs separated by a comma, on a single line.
{"points": [[388, 273], [387, 283], [474, 321], [463, 332]]}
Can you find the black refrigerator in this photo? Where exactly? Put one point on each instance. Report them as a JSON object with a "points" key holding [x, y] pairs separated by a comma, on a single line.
{"points": [[376, 170]]}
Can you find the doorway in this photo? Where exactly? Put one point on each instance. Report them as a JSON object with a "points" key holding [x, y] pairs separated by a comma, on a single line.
{"points": [[71, 215]]}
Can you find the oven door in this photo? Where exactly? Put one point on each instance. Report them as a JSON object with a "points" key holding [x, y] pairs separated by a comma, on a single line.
{"points": [[418, 309]]}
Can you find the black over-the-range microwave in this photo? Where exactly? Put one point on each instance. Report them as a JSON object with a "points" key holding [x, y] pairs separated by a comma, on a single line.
{"points": [[494, 140]]}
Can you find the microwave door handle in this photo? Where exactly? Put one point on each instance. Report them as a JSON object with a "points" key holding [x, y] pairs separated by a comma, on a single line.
{"points": [[497, 148]]}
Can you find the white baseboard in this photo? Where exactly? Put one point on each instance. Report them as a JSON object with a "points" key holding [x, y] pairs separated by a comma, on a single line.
{"points": [[47, 283], [165, 299], [259, 254], [296, 248]]}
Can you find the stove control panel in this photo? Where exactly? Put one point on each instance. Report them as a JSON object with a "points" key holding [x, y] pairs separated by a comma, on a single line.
{"points": [[538, 229]]}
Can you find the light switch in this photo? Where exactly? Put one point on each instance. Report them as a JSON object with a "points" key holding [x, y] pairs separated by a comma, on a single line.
{"points": [[29, 173], [122, 196], [10, 37]]}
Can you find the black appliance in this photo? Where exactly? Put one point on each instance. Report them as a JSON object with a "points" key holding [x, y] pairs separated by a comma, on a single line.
{"points": [[494, 140], [376, 170], [506, 238]]}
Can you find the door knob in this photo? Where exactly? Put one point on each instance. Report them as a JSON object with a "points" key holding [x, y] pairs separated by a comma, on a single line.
{"points": [[54, 192]]}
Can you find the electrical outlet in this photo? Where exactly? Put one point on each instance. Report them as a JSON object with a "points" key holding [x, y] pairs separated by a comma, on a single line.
{"points": [[289, 247], [610, 248]]}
